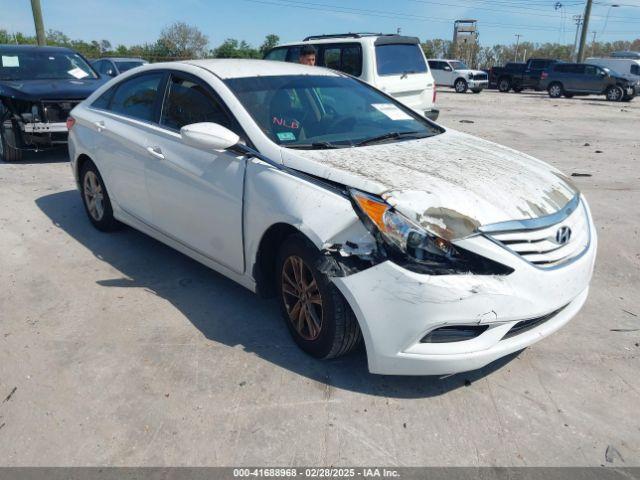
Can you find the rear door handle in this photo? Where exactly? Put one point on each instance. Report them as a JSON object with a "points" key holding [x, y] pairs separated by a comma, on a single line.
{"points": [[99, 125], [156, 152]]}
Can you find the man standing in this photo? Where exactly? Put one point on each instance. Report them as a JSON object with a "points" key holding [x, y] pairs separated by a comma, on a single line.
{"points": [[307, 55]]}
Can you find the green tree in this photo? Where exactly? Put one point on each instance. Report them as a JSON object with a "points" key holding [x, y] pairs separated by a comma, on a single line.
{"points": [[270, 41], [181, 40]]}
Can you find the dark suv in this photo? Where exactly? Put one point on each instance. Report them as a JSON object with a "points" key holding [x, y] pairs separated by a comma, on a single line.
{"points": [[571, 79]]}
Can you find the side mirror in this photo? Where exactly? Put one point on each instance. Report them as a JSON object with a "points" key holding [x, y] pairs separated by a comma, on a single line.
{"points": [[208, 135]]}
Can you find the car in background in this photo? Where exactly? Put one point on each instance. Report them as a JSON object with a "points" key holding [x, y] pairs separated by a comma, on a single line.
{"points": [[628, 68], [392, 63], [456, 74], [520, 76], [626, 54], [39, 86], [571, 79], [367, 222], [114, 66]]}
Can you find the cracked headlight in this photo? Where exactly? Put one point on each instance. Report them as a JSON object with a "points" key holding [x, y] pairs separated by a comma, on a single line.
{"points": [[414, 248]]}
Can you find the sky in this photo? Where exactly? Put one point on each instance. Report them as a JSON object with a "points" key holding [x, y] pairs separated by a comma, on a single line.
{"points": [[131, 22]]}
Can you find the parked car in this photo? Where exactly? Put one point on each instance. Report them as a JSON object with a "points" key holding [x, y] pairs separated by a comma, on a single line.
{"points": [[626, 54], [38, 88], [520, 76], [442, 251], [628, 68], [456, 74], [114, 66], [393, 63], [571, 79]]}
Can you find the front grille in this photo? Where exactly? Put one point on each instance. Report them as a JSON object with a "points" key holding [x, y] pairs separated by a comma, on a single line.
{"points": [[526, 325], [543, 246], [57, 111], [479, 76]]}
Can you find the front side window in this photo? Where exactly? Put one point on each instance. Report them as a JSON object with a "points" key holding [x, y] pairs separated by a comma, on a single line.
{"points": [[128, 65], [308, 111], [136, 97], [30, 64], [459, 65], [590, 70], [278, 54], [399, 59], [189, 102]]}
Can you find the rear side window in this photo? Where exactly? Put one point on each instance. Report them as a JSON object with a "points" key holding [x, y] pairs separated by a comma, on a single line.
{"points": [[189, 102], [278, 54], [396, 59], [346, 58], [137, 96]]}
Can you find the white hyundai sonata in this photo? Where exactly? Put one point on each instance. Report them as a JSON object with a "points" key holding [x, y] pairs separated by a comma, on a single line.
{"points": [[442, 251]]}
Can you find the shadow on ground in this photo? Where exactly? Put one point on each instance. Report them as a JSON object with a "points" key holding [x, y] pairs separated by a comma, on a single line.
{"points": [[227, 313]]}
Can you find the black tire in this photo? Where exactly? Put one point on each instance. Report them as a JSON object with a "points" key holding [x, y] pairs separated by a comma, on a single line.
{"points": [[8, 153], [568, 95], [614, 93], [338, 331], [518, 89], [101, 218], [461, 85], [504, 85], [555, 90], [476, 90]]}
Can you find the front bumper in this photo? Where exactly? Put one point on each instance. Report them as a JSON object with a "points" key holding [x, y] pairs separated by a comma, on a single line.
{"points": [[478, 84], [396, 308], [45, 127]]}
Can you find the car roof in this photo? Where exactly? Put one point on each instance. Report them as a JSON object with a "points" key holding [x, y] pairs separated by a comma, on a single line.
{"points": [[122, 59], [238, 68], [28, 48], [351, 38]]}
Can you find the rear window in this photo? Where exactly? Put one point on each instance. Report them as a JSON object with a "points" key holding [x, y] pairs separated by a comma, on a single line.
{"points": [[397, 59]]}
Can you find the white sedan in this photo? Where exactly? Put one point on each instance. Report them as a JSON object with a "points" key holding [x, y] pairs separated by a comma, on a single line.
{"points": [[442, 251]]}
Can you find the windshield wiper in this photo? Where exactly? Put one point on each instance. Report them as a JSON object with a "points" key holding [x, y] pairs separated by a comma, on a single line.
{"points": [[386, 136], [314, 146]]}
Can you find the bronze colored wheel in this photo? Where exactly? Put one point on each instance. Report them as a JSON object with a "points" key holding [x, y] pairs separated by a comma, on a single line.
{"points": [[317, 315], [301, 298]]}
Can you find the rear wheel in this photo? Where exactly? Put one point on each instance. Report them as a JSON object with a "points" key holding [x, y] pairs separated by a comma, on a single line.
{"points": [[317, 315], [568, 95], [461, 85], [555, 90], [96, 198], [518, 89], [8, 152], [504, 85], [614, 93], [476, 90]]}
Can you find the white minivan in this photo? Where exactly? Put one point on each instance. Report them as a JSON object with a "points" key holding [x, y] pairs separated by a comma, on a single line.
{"points": [[392, 63], [629, 68]]}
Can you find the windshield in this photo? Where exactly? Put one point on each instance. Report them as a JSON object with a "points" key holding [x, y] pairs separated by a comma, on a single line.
{"points": [[398, 59], [308, 111], [459, 65], [42, 65], [128, 65]]}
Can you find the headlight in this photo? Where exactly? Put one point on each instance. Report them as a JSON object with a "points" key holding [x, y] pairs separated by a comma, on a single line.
{"points": [[416, 249]]}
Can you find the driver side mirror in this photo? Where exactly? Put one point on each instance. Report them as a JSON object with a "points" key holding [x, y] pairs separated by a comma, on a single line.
{"points": [[447, 68], [208, 135]]}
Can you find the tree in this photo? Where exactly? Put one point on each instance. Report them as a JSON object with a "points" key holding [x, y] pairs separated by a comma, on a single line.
{"points": [[270, 41], [181, 40], [232, 48]]}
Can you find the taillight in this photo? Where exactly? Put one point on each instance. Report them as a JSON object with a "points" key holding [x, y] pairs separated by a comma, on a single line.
{"points": [[70, 122], [434, 93]]}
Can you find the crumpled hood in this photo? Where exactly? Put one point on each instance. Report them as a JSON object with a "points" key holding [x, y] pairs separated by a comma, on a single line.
{"points": [[66, 89], [450, 184]]}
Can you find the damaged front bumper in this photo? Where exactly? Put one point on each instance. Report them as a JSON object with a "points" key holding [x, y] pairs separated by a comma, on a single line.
{"points": [[398, 309]]}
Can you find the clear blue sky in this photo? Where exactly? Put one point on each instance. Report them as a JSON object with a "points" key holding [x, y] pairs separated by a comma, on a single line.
{"points": [[130, 22]]}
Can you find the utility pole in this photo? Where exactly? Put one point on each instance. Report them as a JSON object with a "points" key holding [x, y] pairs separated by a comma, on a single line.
{"points": [[578, 20], [593, 42], [585, 30], [37, 19], [517, 45]]}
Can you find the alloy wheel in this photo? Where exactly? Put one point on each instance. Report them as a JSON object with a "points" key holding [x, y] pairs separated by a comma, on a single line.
{"points": [[302, 298], [93, 195], [555, 91], [614, 94]]}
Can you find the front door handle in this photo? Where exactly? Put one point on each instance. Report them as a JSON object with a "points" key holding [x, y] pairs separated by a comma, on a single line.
{"points": [[156, 152], [99, 126]]}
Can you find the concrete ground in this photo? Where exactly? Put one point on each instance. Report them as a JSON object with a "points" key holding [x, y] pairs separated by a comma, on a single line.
{"points": [[116, 350]]}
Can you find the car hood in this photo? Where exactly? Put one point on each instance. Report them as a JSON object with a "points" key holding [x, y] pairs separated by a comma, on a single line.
{"points": [[67, 89], [450, 184], [474, 72]]}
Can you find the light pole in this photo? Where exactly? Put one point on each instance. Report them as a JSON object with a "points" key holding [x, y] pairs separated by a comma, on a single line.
{"points": [[517, 45], [37, 19], [606, 20], [578, 20]]}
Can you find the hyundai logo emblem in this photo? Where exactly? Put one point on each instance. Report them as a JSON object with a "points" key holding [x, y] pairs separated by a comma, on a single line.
{"points": [[563, 235]]}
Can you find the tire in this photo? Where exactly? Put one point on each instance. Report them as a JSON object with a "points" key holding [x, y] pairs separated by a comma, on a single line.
{"points": [[614, 93], [518, 89], [476, 90], [555, 90], [568, 95], [323, 325], [8, 153], [504, 85], [461, 85], [95, 199]]}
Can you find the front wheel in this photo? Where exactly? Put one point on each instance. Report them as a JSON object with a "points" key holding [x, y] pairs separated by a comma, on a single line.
{"points": [[555, 90], [614, 93], [96, 198], [317, 315], [568, 95], [461, 85], [504, 85], [8, 151]]}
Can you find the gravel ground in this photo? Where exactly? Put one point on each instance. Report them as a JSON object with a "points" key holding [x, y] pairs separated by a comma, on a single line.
{"points": [[116, 350]]}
